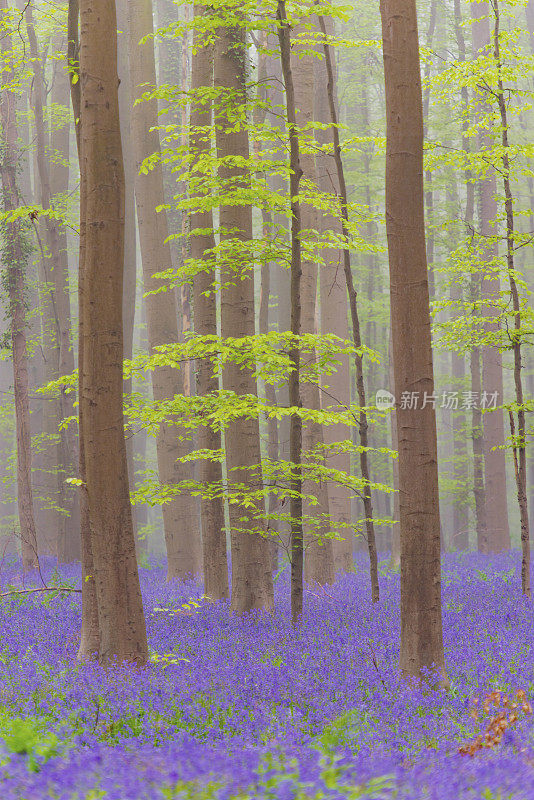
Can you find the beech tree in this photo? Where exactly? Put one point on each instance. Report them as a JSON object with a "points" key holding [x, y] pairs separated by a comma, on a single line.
{"points": [[295, 430], [180, 514], [62, 534], [498, 531], [121, 624], [421, 623], [319, 562], [252, 585], [16, 259], [202, 247]]}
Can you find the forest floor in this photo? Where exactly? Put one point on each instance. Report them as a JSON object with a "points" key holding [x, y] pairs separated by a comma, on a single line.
{"points": [[247, 708]]}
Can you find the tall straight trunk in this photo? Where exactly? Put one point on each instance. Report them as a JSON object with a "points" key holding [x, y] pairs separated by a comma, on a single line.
{"points": [[498, 533], [319, 562], [70, 545], [371, 260], [279, 279], [8, 541], [185, 288], [519, 443], [35, 356], [269, 92], [529, 13], [252, 585], [121, 623], [141, 453], [180, 516], [477, 425], [421, 622], [202, 240], [130, 237], [363, 426], [89, 633], [169, 71], [15, 260], [47, 229], [52, 168], [295, 429], [334, 319]]}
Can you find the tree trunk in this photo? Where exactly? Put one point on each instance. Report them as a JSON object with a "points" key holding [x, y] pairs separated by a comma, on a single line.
{"points": [[295, 428], [202, 240], [130, 237], [334, 319], [54, 178], [51, 486], [363, 427], [15, 260], [180, 517], [319, 562], [120, 610], [477, 426], [519, 443], [421, 623], [252, 585], [498, 533], [89, 633], [270, 94], [70, 546]]}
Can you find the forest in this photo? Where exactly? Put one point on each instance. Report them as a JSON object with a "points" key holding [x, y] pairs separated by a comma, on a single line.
{"points": [[266, 396]]}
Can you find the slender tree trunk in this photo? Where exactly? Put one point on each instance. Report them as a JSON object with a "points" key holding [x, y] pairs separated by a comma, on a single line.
{"points": [[477, 426], [70, 546], [529, 13], [8, 540], [319, 562], [47, 231], [202, 244], [295, 429], [519, 442], [421, 622], [268, 74], [141, 453], [35, 356], [180, 518], [334, 319], [169, 71], [185, 288], [498, 534], [120, 610], [363, 426], [130, 237], [252, 585], [53, 173], [15, 260]]}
